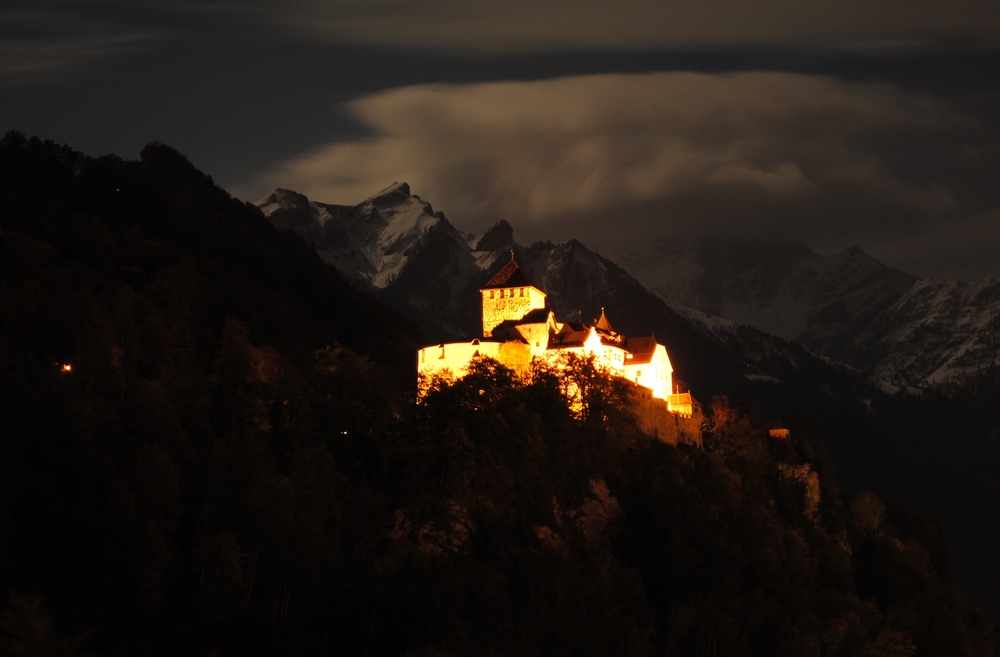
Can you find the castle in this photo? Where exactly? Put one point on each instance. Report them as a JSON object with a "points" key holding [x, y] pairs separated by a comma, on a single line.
{"points": [[518, 327]]}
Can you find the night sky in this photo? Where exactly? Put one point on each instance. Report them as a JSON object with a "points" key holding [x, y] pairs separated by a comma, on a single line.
{"points": [[619, 123]]}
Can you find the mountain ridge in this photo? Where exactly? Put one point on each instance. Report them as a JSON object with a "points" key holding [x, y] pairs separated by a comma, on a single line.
{"points": [[849, 306]]}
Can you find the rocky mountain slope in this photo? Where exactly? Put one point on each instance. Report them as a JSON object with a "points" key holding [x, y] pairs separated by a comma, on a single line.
{"points": [[847, 306], [397, 247]]}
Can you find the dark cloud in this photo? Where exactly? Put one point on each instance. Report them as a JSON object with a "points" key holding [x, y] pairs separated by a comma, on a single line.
{"points": [[620, 158], [526, 25], [40, 43], [881, 131]]}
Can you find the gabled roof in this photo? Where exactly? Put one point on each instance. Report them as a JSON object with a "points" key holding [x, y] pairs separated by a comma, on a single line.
{"points": [[510, 276], [569, 327], [536, 316], [642, 350], [569, 339]]}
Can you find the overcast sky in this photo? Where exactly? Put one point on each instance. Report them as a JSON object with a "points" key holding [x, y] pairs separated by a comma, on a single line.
{"points": [[832, 122]]}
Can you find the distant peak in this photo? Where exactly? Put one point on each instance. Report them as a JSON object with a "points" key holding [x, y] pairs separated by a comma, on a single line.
{"points": [[500, 235], [287, 196], [395, 193], [282, 200], [856, 254]]}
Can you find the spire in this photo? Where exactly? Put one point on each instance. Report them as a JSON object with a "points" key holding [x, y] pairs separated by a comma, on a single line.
{"points": [[512, 255], [603, 324]]}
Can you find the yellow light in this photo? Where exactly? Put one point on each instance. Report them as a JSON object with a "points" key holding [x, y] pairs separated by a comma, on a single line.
{"points": [[67, 367]]}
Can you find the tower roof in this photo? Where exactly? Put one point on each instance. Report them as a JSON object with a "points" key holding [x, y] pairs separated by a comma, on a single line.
{"points": [[510, 276], [603, 324]]}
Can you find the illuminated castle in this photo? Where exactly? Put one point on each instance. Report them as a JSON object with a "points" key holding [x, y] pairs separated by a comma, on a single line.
{"points": [[518, 327]]}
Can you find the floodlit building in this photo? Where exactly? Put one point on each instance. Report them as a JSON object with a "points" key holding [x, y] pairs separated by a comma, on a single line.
{"points": [[518, 327]]}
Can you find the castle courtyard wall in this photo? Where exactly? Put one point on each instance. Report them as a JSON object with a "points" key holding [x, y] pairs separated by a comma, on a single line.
{"points": [[654, 418]]}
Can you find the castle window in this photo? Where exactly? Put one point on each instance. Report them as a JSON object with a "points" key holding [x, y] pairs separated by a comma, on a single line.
{"points": [[442, 352], [491, 294], [421, 355], [522, 291]]}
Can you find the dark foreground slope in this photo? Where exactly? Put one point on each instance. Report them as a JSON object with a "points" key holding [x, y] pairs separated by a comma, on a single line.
{"points": [[233, 467]]}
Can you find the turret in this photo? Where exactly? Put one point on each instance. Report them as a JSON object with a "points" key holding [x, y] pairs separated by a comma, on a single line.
{"points": [[509, 296]]}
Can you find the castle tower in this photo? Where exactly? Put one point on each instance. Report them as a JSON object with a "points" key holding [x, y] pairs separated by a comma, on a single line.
{"points": [[509, 296]]}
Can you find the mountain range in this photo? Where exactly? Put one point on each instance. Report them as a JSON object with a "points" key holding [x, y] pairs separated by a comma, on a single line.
{"points": [[893, 325], [396, 247]]}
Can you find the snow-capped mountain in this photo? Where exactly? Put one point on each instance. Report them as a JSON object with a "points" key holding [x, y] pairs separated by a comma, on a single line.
{"points": [[847, 306], [397, 247]]}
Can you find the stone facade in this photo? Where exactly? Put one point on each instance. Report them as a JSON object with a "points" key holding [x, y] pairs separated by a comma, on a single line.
{"points": [[509, 303]]}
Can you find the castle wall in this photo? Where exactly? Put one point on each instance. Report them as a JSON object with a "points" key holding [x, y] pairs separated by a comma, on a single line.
{"points": [[452, 359], [509, 304], [656, 375], [536, 335], [516, 355], [655, 416], [655, 419], [607, 356]]}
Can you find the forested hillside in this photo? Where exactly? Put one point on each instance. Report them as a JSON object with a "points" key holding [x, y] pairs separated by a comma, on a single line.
{"points": [[233, 464]]}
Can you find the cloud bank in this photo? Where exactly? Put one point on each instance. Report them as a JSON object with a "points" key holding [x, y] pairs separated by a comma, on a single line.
{"points": [[618, 160]]}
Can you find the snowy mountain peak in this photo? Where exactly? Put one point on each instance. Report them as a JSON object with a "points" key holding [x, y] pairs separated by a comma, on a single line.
{"points": [[847, 306], [282, 198], [397, 192]]}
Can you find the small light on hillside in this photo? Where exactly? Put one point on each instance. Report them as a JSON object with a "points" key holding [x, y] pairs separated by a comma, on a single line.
{"points": [[67, 367]]}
